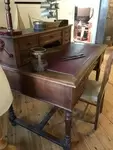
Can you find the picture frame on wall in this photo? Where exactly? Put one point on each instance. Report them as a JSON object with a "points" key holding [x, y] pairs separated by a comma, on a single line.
{"points": [[29, 1]]}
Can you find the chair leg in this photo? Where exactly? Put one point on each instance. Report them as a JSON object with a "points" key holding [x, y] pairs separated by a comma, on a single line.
{"points": [[85, 110], [102, 102], [97, 74], [97, 117]]}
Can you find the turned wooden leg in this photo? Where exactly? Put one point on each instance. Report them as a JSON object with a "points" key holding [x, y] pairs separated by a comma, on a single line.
{"points": [[97, 74], [68, 121], [12, 116]]}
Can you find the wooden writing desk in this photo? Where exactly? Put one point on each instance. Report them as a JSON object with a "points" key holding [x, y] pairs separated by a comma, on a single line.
{"points": [[61, 85]]}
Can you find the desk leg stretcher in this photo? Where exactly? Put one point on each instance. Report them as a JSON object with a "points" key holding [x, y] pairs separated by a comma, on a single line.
{"points": [[38, 128]]}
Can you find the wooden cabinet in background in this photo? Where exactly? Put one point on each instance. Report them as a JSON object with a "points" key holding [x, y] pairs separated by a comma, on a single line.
{"points": [[20, 46]]}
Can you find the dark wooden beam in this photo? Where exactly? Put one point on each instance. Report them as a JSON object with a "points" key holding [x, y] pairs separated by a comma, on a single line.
{"points": [[27, 2], [101, 21]]}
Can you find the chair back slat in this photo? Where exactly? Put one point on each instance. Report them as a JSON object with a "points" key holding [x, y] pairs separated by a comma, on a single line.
{"points": [[106, 73]]}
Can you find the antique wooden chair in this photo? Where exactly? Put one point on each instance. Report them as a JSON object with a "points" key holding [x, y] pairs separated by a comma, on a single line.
{"points": [[95, 90]]}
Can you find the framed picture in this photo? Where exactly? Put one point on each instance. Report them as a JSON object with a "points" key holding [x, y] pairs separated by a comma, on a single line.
{"points": [[28, 1]]}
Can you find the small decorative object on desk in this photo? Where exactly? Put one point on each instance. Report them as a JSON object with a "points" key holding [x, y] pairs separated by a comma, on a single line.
{"points": [[39, 62], [39, 26]]}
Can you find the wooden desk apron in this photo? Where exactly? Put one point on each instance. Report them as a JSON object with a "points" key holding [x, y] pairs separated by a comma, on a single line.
{"points": [[63, 83]]}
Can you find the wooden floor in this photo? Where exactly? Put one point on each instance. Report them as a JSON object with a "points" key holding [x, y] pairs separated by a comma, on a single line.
{"points": [[82, 138]]}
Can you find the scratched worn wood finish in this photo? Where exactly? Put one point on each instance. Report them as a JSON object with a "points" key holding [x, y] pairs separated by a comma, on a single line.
{"points": [[33, 111], [64, 81]]}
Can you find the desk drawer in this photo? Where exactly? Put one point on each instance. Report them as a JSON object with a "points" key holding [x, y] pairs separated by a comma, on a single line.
{"points": [[67, 30], [25, 57], [50, 37], [28, 42], [66, 35]]}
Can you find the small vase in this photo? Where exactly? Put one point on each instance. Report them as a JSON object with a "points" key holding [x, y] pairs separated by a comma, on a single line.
{"points": [[39, 62]]}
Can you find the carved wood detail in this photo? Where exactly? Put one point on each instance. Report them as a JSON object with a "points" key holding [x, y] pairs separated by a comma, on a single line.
{"points": [[8, 16]]}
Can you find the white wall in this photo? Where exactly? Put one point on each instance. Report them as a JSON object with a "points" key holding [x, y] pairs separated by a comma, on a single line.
{"points": [[2, 13], [66, 11], [96, 5], [21, 14], [29, 13]]}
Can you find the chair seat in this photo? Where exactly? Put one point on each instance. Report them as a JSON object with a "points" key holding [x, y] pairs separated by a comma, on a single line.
{"points": [[91, 92]]}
